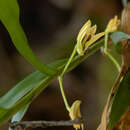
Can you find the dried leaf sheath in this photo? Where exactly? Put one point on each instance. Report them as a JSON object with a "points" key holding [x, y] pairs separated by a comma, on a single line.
{"points": [[125, 21], [125, 65], [124, 122]]}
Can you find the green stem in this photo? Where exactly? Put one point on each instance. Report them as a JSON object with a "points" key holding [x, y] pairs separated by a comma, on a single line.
{"points": [[114, 61], [69, 61], [63, 94], [106, 42], [38, 88], [61, 78], [108, 54]]}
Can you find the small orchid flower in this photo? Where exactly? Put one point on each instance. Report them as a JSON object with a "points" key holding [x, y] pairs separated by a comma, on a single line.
{"points": [[87, 37], [75, 113], [112, 25]]}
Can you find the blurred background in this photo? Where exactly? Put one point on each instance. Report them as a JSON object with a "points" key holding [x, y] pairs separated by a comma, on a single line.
{"points": [[51, 27]]}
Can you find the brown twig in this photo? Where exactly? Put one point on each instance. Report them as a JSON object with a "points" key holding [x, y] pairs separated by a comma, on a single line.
{"points": [[43, 124]]}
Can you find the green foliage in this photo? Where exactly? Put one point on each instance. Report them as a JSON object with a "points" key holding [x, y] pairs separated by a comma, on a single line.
{"points": [[18, 99], [20, 114], [23, 93], [119, 36], [9, 15], [121, 100], [28, 89]]}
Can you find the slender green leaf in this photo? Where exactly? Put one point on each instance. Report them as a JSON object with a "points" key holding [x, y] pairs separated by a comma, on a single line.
{"points": [[19, 115], [121, 101], [119, 36], [9, 15], [23, 87], [3, 111], [34, 85]]}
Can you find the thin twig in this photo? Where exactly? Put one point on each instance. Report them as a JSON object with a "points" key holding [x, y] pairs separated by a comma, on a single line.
{"points": [[43, 124]]}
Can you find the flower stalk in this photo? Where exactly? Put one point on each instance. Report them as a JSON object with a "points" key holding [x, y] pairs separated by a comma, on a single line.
{"points": [[111, 27], [86, 37]]}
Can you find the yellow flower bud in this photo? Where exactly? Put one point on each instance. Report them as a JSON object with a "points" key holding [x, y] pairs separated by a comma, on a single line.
{"points": [[82, 36], [86, 37], [75, 113], [84, 30], [112, 25]]}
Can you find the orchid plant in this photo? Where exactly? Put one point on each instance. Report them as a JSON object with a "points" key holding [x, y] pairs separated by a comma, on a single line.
{"points": [[15, 103]]}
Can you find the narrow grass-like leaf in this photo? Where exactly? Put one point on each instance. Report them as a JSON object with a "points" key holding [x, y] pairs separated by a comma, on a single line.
{"points": [[119, 36], [23, 87], [19, 115], [121, 101], [9, 15], [27, 90]]}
